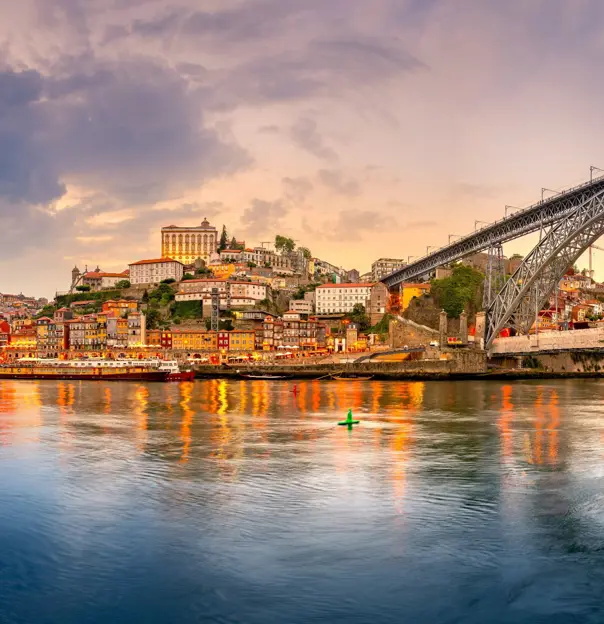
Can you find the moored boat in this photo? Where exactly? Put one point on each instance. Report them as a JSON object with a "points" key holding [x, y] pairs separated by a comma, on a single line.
{"points": [[174, 372], [93, 370]]}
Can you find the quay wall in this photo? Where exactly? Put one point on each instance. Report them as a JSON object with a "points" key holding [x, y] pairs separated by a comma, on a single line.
{"points": [[454, 364]]}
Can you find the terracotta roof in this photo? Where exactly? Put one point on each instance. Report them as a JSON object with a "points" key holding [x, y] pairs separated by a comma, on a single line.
{"points": [[362, 285], [154, 261], [98, 275]]}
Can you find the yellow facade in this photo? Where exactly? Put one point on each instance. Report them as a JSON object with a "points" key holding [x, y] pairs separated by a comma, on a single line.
{"points": [[223, 271], [194, 340], [409, 291], [242, 340]]}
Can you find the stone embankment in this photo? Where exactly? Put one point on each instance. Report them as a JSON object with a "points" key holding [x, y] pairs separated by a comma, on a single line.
{"points": [[459, 364]]}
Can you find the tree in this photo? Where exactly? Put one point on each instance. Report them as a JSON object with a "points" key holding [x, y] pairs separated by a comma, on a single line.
{"points": [[169, 280], [461, 290], [224, 239], [233, 244], [187, 276], [153, 318], [252, 265], [284, 245], [83, 288], [359, 316], [145, 297], [123, 284], [305, 252]]}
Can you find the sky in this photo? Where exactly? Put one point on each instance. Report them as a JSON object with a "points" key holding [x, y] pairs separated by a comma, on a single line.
{"points": [[360, 129]]}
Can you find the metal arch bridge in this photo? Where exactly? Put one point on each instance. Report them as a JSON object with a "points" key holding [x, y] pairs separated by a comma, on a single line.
{"points": [[569, 223]]}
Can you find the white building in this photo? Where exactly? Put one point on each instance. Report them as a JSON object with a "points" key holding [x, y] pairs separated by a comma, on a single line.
{"points": [[154, 271], [97, 280], [137, 329], [301, 306], [384, 266], [206, 298], [237, 289], [341, 298]]}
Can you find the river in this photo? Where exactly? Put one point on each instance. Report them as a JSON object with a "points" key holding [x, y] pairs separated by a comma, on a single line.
{"points": [[241, 501]]}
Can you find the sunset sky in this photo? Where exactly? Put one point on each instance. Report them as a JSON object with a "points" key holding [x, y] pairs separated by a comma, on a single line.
{"points": [[361, 128]]}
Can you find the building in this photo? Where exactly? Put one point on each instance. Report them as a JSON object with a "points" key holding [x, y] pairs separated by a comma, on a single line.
{"points": [[98, 280], [187, 244], [239, 292], [384, 266], [409, 291], [301, 306], [341, 298], [117, 332], [190, 340], [377, 303], [292, 332], [88, 333], [119, 307], [5, 333], [137, 329], [353, 276], [366, 278], [155, 271]]}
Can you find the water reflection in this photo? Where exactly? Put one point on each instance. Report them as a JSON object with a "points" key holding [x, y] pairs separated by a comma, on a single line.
{"points": [[446, 495]]}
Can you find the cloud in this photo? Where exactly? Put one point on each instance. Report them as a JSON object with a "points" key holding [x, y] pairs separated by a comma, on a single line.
{"points": [[262, 218], [336, 182], [305, 135], [355, 225], [297, 189], [330, 68], [128, 127]]}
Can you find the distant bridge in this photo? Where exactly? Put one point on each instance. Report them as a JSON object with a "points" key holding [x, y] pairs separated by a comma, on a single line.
{"points": [[568, 223]]}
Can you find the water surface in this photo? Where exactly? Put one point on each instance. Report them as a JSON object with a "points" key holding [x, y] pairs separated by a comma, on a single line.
{"points": [[223, 502]]}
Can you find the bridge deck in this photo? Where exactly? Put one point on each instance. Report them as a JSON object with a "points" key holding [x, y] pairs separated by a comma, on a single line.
{"points": [[516, 225]]}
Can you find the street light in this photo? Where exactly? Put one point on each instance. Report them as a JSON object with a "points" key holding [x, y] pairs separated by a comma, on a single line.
{"points": [[549, 191], [456, 235], [409, 258], [506, 209], [477, 222], [430, 247], [591, 172]]}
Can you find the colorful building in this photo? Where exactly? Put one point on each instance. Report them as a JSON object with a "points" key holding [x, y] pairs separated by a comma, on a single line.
{"points": [[410, 291]]}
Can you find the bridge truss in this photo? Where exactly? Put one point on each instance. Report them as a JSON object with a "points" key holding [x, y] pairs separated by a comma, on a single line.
{"points": [[532, 219], [523, 295], [568, 224]]}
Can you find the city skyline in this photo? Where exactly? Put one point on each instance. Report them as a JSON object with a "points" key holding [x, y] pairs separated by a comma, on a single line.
{"points": [[364, 130]]}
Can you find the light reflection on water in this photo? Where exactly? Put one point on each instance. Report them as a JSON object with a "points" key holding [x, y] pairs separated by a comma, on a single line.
{"points": [[243, 501]]}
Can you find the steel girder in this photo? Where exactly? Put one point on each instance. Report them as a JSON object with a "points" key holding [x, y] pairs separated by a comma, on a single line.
{"points": [[494, 278], [529, 287], [532, 219]]}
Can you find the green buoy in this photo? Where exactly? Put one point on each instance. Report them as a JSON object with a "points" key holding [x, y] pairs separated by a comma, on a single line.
{"points": [[349, 420]]}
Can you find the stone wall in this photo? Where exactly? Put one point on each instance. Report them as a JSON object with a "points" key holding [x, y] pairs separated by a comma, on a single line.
{"points": [[550, 341], [405, 332]]}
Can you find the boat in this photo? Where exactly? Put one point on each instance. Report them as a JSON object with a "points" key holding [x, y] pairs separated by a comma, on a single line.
{"points": [[91, 370], [252, 376], [174, 372], [352, 377]]}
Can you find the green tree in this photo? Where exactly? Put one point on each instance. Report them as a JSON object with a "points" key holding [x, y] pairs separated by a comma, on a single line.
{"points": [[145, 297], [283, 244], [359, 316], [233, 244], [187, 276], [83, 288], [224, 239], [252, 265], [169, 280], [153, 318], [462, 290], [305, 252], [123, 284]]}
